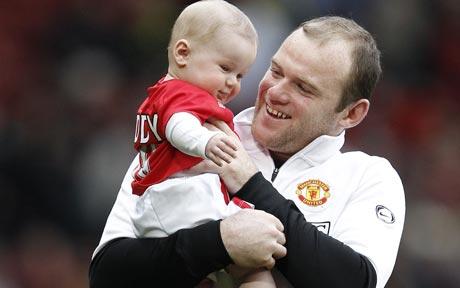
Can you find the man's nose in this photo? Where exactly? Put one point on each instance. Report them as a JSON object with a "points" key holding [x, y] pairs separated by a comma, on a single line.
{"points": [[278, 93]]}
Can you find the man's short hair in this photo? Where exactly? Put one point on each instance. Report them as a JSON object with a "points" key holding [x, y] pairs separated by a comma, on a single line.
{"points": [[365, 67]]}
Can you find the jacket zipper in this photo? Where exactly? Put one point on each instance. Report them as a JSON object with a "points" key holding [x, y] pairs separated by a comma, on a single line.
{"points": [[275, 173]]}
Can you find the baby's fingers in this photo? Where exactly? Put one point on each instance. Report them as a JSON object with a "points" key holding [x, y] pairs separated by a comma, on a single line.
{"points": [[223, 155], [231, 143], [229, 151], [214, 158]]}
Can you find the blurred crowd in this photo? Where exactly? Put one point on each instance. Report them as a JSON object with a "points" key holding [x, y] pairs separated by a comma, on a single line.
{"points": [[73, 72]]}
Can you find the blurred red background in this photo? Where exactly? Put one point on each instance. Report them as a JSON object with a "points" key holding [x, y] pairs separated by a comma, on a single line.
{"points": [[73, 72]]}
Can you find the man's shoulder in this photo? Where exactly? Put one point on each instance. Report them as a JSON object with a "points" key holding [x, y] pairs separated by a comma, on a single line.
{"points": [[358, 162], [242, 122], [360, 157], [244, 118], [372, 167]]}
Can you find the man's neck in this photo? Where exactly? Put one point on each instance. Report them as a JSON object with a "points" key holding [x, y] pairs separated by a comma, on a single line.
{"points": [[279, 158]]}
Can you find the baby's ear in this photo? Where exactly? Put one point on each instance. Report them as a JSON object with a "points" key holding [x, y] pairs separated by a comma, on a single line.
{"points": [[181, 52]]}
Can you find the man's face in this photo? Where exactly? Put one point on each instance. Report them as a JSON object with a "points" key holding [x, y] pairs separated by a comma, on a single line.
{"points": [[299, 94]]}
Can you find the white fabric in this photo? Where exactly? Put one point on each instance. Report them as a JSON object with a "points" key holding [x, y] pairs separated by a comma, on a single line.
{"points": [[182, 201], [185, 132], [119, 223], [357, 184], [185, 199]]}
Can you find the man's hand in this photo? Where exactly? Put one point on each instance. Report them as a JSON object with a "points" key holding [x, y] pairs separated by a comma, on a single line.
{"points": [[236, 173], [253, 238], [240, 169], [221, 149]]}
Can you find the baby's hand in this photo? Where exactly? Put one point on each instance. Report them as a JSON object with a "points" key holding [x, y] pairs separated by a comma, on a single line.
{"points": [[221, 147]]}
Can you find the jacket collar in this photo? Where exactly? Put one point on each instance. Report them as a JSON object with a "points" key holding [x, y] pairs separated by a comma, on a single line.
{"points": [[322, 148], [318, 151]]}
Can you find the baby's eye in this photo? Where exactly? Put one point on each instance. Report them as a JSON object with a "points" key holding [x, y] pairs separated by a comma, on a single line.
{"points": [[225, 68], [275, 72]]}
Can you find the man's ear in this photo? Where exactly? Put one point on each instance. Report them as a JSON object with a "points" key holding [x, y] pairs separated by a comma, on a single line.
{"points": [[181, 52], [355, 113]]}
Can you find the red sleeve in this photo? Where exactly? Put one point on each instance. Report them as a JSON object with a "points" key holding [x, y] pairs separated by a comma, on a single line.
{"points": [[183, 97], [164, 99], [173, 96]]}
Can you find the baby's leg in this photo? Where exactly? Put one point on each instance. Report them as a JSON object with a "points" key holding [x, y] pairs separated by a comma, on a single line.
{"points": [[252, 278], [260, 278]]}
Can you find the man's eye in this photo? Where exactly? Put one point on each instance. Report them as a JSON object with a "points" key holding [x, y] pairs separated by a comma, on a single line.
{"points": [[303, 89]]}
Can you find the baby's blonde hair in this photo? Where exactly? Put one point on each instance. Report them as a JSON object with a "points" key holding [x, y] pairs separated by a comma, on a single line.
{"points": [[200, 21]]}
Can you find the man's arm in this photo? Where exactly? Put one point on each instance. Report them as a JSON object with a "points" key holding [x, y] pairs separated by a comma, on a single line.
{"points": [[314, 259], [189, 255], [179, 260]]}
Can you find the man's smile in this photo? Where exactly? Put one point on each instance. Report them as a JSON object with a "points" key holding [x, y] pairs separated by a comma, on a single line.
{"points": [[276, 113]]}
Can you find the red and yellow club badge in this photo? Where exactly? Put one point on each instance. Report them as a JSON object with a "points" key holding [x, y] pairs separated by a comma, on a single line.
{"points": [[313, 192]]}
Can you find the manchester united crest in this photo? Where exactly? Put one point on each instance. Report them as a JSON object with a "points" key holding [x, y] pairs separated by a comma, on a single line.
{"points": [[313, 192]]}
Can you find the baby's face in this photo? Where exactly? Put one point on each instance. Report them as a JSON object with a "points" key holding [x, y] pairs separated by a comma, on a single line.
{"points": [[218, 65]]}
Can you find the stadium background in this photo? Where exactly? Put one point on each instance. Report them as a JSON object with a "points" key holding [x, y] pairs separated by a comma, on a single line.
{"points": [[72, 73]]}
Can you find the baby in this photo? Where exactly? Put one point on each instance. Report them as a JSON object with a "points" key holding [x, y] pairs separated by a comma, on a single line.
{"points": [[212, 46]]}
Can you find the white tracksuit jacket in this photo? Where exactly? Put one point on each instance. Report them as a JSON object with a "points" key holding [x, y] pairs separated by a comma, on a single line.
{"points": [[353, 197]]}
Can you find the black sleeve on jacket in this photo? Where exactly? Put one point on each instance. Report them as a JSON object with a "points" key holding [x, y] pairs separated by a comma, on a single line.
{"points": [[313, 259], [179, 260]]}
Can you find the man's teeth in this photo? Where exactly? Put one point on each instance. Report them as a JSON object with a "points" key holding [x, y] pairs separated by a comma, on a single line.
{"points": [[276, 114]]}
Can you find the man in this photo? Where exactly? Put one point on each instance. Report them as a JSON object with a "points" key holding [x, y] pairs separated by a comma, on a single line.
{"points": [[344, 217]]}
